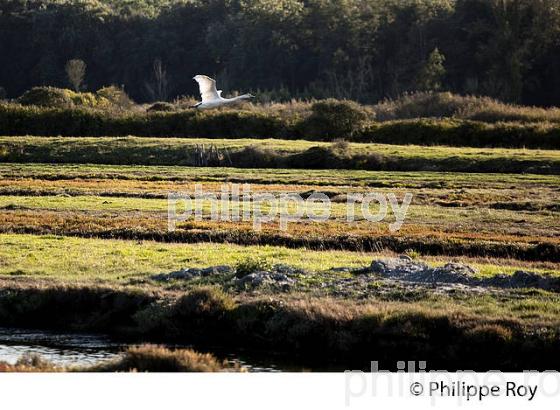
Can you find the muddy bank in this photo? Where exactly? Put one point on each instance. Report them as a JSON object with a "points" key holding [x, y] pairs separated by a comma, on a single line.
{"points": [[349, 334]]}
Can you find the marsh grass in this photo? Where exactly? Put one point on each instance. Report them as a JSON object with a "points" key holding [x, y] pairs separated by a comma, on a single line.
{"points": [[136, 213], [73, 173], [153, 358], [478, 332], [115, 260], [30, 363], [407, 106], [141, 358], [447, 105], [254, 153]]}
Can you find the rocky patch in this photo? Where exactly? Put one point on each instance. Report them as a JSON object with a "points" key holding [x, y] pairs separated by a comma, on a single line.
{"points": [[523, 279], [191, 273], [279, 276], [257, 279], [405, 269], [383, 276]]}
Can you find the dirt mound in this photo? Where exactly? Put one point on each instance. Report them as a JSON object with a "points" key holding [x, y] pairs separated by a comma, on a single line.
{"points": [[191, 273], [405, 269], [523, 279], [279, 276]]}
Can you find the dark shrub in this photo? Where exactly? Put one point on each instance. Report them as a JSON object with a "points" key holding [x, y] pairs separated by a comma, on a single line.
{"points": [[115, 96], [97, 308], [203, 304], [251, 265], [335, 156], [331, 119], [256, 157], [52, 97], [47, 97], [462, 133], [161, 107], [200, 314], [81, 120], [236, 124]]}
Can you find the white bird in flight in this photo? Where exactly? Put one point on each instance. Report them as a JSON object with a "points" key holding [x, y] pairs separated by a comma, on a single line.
{"points": [[211, 97]]}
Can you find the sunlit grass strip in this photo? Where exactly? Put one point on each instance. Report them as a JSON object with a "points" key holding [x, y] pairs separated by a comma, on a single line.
{"points": [[469, 220], [178, 174], [247, 153], [60, 145], [96, 259], [92, 260]]}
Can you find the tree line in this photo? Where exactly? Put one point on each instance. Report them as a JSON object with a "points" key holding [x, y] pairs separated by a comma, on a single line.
{"points": [[365, 50]]}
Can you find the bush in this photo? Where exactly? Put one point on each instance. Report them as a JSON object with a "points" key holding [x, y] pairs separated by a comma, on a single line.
{"points": [[184, 102], [80, 120], [256, 157], [116, 97], [47, 97], [89, 100], [489, 334], [161, 107], [322, 158], [332, 118], [425, 105], [149, 358], [34, 362], [251, 265], [52, 97], [203, 303], [462, 133], [448, 105]]}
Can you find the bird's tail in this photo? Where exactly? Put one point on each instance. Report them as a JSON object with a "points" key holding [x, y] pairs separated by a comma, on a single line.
{"points": [[196, 105]]}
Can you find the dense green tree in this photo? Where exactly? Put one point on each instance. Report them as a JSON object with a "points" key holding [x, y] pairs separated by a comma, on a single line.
{"points": [[431, 75], [364, 50]]}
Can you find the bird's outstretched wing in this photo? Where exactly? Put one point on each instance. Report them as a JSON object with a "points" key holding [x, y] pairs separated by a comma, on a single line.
{"points": [[207, 87]]}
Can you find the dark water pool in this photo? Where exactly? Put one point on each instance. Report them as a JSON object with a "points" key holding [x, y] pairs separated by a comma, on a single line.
{"points": [[59, 348], [79, 349]]}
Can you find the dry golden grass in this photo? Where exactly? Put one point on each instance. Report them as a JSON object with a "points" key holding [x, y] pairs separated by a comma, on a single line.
{"points": [[30, 364], [142, 358], [152, 358], [445, 104]]}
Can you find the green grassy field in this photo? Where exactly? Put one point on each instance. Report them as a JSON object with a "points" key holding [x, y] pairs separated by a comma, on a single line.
{"points": [[118, 262], [98, 233], [178, 174], [59, 146], [96, 260], [298, 153], [90, 199]]}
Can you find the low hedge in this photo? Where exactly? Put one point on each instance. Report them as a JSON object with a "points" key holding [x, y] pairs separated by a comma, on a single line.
{"points": [[31, 120], [463, 133]]}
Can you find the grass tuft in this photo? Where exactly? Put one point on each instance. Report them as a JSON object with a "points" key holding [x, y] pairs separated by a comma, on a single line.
{"points": [[151, 358]]}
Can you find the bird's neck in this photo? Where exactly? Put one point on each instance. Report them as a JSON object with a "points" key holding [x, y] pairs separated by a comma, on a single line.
{"points": [[242, 97]]}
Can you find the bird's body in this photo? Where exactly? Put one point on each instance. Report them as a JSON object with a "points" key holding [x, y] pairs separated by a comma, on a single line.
{"points": [[212, 97]]}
